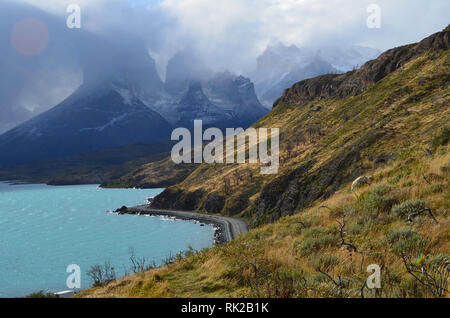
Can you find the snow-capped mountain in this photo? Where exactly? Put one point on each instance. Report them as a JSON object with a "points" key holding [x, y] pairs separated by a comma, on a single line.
{"points": [[222, 100], [86, 121], [279, 67], [123, 101]]}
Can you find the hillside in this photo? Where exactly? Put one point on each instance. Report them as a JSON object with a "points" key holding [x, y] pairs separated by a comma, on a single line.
{"points": [[313, 235], [101, 166], [333, 129], [157, 174]]}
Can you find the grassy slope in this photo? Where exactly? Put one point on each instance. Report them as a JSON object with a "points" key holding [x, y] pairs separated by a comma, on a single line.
{"points": [[108, 164], [404, 114], [287, 253], [159, 174], [336, 144]]}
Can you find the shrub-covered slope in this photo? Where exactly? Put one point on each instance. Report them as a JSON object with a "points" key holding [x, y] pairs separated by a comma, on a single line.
{"points": [[313, 235], [334, 128]]}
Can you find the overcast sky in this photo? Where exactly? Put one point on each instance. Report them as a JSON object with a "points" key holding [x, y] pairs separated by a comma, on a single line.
{"points": [[225, 34], [231, 33]]}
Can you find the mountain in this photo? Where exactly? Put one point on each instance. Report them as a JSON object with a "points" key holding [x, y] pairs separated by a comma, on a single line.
{"points": [[334, 121], [88, 120], [222, 100], [100, 166], [123, 101], [315, 233], [279, 67], [106, 111]]}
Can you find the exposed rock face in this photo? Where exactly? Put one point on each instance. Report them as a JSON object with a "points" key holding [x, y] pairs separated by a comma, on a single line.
{"points": [[177, 200], [317, 67], [333, 160], [123, 101], [356, 82], [196, 105], [214, 203], [235, 96], [301, 187], [279, 67], [222, 100]]}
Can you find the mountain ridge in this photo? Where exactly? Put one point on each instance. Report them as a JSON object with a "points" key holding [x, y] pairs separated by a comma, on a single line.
{"points": [[364, 180], [355, 82], [268, 199]]}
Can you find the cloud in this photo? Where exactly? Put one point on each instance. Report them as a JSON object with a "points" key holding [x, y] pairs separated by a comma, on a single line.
{"points": [[225, 34], [230, 34], [239, 29]]}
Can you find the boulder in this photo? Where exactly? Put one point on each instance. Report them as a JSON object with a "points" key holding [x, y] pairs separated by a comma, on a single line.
{"points": [[361, 181]]}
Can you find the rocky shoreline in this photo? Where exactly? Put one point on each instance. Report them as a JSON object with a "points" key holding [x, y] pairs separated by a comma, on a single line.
{"points": [[226, 229]]}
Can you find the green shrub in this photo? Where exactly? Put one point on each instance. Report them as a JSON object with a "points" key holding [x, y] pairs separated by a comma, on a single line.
{"points": [[438, 261], [435, 188], [445, 169], [292, 229], [378, 200], [286, 283], [316, 239], [404, 240], [442, 139], [408, 207], [42, 294], [408, 184], [326, 261]]}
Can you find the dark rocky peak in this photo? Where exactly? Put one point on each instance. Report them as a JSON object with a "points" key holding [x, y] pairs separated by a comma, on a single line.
{"points": [[358, 81], [194, 99], [228, 87]]}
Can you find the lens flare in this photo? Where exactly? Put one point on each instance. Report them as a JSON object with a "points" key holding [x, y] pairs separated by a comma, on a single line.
{"points": [[29, 37]]}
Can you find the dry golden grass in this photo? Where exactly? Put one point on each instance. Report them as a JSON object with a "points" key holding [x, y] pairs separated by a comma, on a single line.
{"points": [[282, 259], [229, 271]]}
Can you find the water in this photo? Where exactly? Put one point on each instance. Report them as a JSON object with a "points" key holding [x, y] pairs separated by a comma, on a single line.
{"points": [[43, 229]]}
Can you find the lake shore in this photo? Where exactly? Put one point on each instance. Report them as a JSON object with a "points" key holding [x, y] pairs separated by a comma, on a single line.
{"points": [[227, 229]]}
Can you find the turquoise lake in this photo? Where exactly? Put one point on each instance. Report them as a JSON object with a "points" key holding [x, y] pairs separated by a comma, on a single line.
{"points": [[43, 229]]}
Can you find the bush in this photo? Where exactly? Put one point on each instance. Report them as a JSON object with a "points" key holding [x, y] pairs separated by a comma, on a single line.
{"points": [[435, 188], [445, 169], [408, 207], [379, 199], [316, 239], [442, 139], [408, 183], [42, 294], [405, 240], [326, 261], [286, 283], [292, 229], [102, 275]]}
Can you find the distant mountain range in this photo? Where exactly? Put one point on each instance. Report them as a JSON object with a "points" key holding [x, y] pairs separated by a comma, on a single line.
{"points": [[195, 92], [123, 101], [280, 66]]}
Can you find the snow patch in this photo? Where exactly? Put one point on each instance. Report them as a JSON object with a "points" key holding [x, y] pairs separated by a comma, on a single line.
{"points": [[108, 124]]}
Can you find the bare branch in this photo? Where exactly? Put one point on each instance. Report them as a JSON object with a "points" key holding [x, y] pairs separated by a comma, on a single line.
{"points": [[350, 246], [416, 214]]}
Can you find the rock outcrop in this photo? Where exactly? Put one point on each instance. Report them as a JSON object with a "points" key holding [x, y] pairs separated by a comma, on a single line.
{"points": [[358, 81]]}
